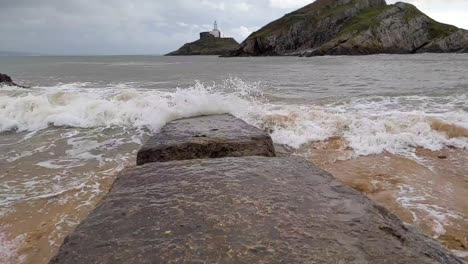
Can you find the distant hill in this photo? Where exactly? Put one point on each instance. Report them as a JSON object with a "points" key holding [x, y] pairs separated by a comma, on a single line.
{"points": [[207, 46], [354, 27]]}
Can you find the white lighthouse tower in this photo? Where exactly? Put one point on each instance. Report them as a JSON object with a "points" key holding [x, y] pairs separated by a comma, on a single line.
{"points": [[215, 32]]}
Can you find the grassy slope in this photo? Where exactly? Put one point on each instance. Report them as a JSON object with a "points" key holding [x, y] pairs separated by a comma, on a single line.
{"points": [[310, 14], [368, 19], [210, 46]]}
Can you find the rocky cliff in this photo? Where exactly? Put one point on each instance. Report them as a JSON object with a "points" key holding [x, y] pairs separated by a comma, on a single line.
{"points": [[208, 46], [354, 27]]}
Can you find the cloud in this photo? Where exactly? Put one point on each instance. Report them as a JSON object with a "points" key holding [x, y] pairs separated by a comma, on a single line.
{"points": [[242, 32], [150, 26], [288, 4], [243, 7], [182, 24]]}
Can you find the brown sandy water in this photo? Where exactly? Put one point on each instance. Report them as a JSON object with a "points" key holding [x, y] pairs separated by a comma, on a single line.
{"points": [[53, 187], [428, 190], [39, 227], [34, 230]]}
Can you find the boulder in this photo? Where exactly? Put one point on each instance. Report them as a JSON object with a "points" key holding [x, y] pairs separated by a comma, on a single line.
{"points": [[213, 136], [6, 80], [242, 210]]}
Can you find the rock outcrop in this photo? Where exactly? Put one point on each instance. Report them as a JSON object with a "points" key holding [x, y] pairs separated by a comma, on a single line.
{"points": [[6, 80], [215, 136], [207, 46], [354, 27], [240, 210]]}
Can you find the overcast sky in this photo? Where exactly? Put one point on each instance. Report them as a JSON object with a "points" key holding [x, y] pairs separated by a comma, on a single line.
{"points": [[152, 26]]}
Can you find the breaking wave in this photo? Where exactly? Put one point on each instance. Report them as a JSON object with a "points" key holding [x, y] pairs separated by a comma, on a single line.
{"points": [[370, 128], [77, 105], [369, 125]]}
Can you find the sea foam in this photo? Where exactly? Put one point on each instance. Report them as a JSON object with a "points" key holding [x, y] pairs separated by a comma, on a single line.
{"points": [[370, 125], [75, 106]]}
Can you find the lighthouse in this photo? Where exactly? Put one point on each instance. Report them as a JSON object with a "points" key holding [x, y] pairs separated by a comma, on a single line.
{"points": [[214, 33]]}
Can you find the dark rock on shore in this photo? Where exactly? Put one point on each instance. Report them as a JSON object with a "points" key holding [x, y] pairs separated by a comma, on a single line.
{"points": [[354, 27], [207, 46], [242, 210], [213, 136], [6, 80]]}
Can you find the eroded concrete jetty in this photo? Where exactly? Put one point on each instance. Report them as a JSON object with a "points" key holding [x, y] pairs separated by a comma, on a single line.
{"points": [[214, 136], [238, 208]]}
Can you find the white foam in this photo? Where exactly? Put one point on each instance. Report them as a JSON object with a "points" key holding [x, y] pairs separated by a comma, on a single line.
{"points": [[373, 128], [83, 109], [8, 249], [370, 125], [460, 253], [438, 216], [50, 164]]}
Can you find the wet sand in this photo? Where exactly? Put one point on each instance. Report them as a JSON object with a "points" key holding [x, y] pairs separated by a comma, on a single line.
{"points": [[427, 189]]}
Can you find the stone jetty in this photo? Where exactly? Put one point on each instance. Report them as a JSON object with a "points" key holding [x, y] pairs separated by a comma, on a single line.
{"points": [[214, 192]]}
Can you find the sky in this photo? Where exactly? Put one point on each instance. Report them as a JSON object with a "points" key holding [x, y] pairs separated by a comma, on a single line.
{"points": [[104, 27]]}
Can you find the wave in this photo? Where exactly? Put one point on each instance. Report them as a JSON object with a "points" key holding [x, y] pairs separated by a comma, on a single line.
{"points": [[369, 131], [369, 125], [73, 105], [451, 130]]}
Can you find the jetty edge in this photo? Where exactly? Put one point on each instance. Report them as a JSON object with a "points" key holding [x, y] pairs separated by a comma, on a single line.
{"points": [[233, 208]]}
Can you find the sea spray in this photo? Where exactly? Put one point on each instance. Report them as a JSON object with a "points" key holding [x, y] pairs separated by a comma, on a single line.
{"points": [[75, 106], [370, 125]]}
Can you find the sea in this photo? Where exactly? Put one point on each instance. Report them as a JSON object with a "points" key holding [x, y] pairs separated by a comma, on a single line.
{"points": [[394, 127]]}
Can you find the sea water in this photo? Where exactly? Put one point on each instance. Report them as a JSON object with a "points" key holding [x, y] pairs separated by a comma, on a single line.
{"points": [[392, 126]]}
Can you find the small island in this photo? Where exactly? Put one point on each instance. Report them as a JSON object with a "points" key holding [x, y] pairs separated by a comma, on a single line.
{"points": [[210, 43]]}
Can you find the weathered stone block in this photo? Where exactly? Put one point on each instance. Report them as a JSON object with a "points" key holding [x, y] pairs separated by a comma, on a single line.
{"points": [[214, 136], [242, 210]]}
